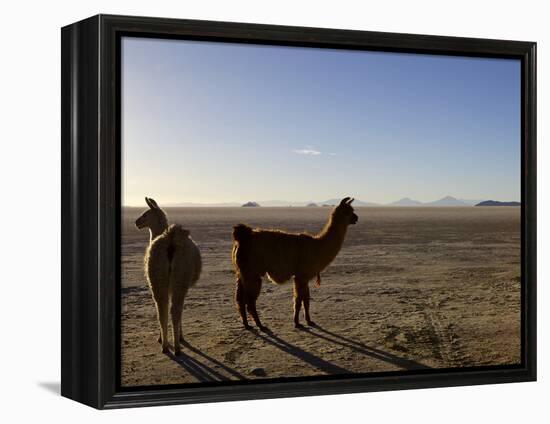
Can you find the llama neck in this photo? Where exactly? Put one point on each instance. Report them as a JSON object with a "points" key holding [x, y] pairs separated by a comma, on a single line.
{"points": [[331, 239], [157, 229]]}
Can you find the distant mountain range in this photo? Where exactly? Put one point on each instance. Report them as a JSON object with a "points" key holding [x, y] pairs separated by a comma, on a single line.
{"points": [[406, 201], [496, 203], [203, 205], [251, 205], [356, 202], [447, 201]]}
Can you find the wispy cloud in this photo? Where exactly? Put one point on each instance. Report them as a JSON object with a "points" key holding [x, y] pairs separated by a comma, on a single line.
{"points": [[307, 151]]}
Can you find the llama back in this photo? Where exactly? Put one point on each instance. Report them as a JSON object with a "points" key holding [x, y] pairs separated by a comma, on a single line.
{"points": [[184, 255], [157, 262], [267, 251]]}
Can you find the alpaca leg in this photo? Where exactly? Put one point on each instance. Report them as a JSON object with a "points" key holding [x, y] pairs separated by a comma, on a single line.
{"points": [[298, 299], [253, 291], [240, 301], [305, 301], [176, 311]]}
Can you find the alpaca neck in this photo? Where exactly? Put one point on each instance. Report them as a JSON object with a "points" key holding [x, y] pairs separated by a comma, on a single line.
{"points": [[157, 229]]}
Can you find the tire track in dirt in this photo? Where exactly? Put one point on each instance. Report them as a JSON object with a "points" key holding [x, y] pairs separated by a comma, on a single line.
{"points": [[446, 342]]}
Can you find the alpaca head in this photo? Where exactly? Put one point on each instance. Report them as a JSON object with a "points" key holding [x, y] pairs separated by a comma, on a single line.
{"points": [[154, 218], [344, 212]]}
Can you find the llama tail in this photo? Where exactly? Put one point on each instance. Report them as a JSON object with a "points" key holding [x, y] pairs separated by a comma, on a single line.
{"points": [[176, 236], [184, 256], [241, 233]]}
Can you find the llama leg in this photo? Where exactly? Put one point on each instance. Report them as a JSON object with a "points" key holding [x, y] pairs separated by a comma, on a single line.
{"points": [[305, 301], [240, 301], [298, 298], [161, 301], [253, 291], [176, 312], [182, 339]]}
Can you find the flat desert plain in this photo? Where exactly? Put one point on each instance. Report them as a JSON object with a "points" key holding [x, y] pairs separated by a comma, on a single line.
{"points": [[412, 288]]}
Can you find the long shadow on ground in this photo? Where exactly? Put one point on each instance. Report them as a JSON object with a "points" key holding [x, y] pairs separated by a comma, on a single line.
{"points": [[227, 369], [200, 369], [359, 347], [301, 354], [209, 369]]}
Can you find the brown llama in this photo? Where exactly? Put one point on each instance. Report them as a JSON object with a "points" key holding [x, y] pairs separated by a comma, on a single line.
{"points": [[283, 255], [172, 266]]}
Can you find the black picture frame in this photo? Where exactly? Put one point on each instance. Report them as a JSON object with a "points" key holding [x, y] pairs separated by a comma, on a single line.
{"points": [[90, 180]]}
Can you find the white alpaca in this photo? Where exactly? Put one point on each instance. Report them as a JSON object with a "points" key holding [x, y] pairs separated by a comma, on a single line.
{"points": [[172, 265]]}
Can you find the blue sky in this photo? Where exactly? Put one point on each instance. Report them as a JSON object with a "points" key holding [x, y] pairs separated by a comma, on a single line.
{"points": [[217, 122]]}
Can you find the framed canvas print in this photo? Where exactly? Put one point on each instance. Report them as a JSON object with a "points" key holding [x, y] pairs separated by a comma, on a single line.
{"points": [[253, 211]]}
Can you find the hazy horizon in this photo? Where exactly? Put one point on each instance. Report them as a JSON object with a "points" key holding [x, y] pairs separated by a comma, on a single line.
{"points": [[304, 203], [206, 122]]}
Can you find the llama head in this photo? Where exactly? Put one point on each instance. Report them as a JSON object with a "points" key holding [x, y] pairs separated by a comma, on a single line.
{"points": [[154, 218], [344, 212]]}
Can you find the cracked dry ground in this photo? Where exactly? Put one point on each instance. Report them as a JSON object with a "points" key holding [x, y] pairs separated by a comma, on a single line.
{"points": [[411, 288]]}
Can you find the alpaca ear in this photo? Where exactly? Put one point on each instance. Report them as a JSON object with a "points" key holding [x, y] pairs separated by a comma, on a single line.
{"points": [[349, 202], [344, 201]]}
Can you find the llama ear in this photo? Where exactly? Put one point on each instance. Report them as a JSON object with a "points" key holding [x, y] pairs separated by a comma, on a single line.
{"points": [[344, 201], [349, 202], [151, 203]]}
